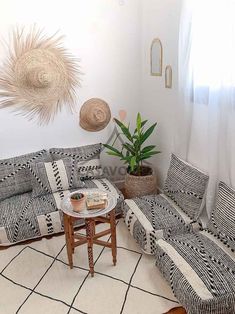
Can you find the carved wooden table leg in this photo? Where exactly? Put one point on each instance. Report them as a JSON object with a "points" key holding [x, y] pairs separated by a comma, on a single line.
{"points": [[68, 240], [113, 236], [71, 233], [73, 240], [90, 228]]}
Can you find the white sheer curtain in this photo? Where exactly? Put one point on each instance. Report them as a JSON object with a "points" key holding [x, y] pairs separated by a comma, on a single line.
{"points": [[207, 87]]}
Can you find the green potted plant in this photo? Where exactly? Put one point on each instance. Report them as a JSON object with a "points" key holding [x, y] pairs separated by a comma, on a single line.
{"points": [[140, 179]]}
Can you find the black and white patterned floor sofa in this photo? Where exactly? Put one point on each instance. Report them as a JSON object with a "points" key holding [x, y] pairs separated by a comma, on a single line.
{"points": [[200, 266], [176, 210], [33, 185]]}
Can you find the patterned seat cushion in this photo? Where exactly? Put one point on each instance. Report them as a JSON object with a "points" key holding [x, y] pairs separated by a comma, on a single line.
{"points": [[152, 217], [12, 213], [24, 217], [186, 186], [200, 270], [15, 177], [222, 220], [86, 159]]}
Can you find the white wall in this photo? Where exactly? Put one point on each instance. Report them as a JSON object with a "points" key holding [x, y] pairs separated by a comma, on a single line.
{"points": [[112, 38], [105, 35], [160, 19]]}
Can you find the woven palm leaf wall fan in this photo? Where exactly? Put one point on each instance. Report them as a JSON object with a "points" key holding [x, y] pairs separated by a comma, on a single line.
{"points": [[39, 76]]}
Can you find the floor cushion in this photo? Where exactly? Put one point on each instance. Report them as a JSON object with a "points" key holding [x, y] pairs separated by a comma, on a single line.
{"points": [[21, 217], [24, 217], [149, 218], [200, 269]]}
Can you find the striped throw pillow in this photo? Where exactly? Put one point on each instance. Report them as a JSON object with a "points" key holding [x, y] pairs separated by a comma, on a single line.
{"points": [[15, 177], [87, 159], [50, 177]]}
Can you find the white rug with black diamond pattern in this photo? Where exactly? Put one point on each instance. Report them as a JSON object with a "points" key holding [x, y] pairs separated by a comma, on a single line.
{"points": [[36, 279]]}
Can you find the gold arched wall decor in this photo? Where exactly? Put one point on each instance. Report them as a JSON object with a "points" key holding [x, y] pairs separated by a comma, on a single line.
{"points": [[156, 56], [168, 76]]}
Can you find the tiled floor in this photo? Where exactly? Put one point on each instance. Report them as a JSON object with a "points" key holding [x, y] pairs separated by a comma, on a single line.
{"points": [[36, 279]]}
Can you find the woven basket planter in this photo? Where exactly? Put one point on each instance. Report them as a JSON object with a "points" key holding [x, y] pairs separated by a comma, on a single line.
{"points": [[136, 186]]}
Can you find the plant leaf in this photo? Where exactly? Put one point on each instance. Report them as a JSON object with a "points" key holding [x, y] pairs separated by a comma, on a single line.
{"points": [[133, 163], [142, 125], [126, 159], [138, 123], [148, 155], [144, 136], [129, 148], [113, 149], [147, 149], [113, 154], [124, 129]]}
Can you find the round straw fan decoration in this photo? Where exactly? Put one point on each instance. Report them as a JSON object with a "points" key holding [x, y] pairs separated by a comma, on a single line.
{"points": [[39, 76], [95, 115]]}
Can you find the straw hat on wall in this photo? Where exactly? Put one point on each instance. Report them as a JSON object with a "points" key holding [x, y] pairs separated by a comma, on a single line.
{"points": [[39, 76], [95, 115]]}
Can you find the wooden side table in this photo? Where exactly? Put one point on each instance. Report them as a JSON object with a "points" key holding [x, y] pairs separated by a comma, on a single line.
{"points": [[91, 217]]}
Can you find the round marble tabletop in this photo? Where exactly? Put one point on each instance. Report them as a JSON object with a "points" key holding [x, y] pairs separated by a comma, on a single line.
{"points": [[67, 208]]}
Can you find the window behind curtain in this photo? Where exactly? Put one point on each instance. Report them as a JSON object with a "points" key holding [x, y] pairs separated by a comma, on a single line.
{"points": [[212, 55]]}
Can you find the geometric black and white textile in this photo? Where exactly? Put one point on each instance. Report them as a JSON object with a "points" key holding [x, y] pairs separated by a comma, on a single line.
{"points": [[25, 217], [201, 270], [186, 186], [152, 217], [50, 177], [177, 210], [86, 159], [32, 187], [222, 220], [15, 177]]}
